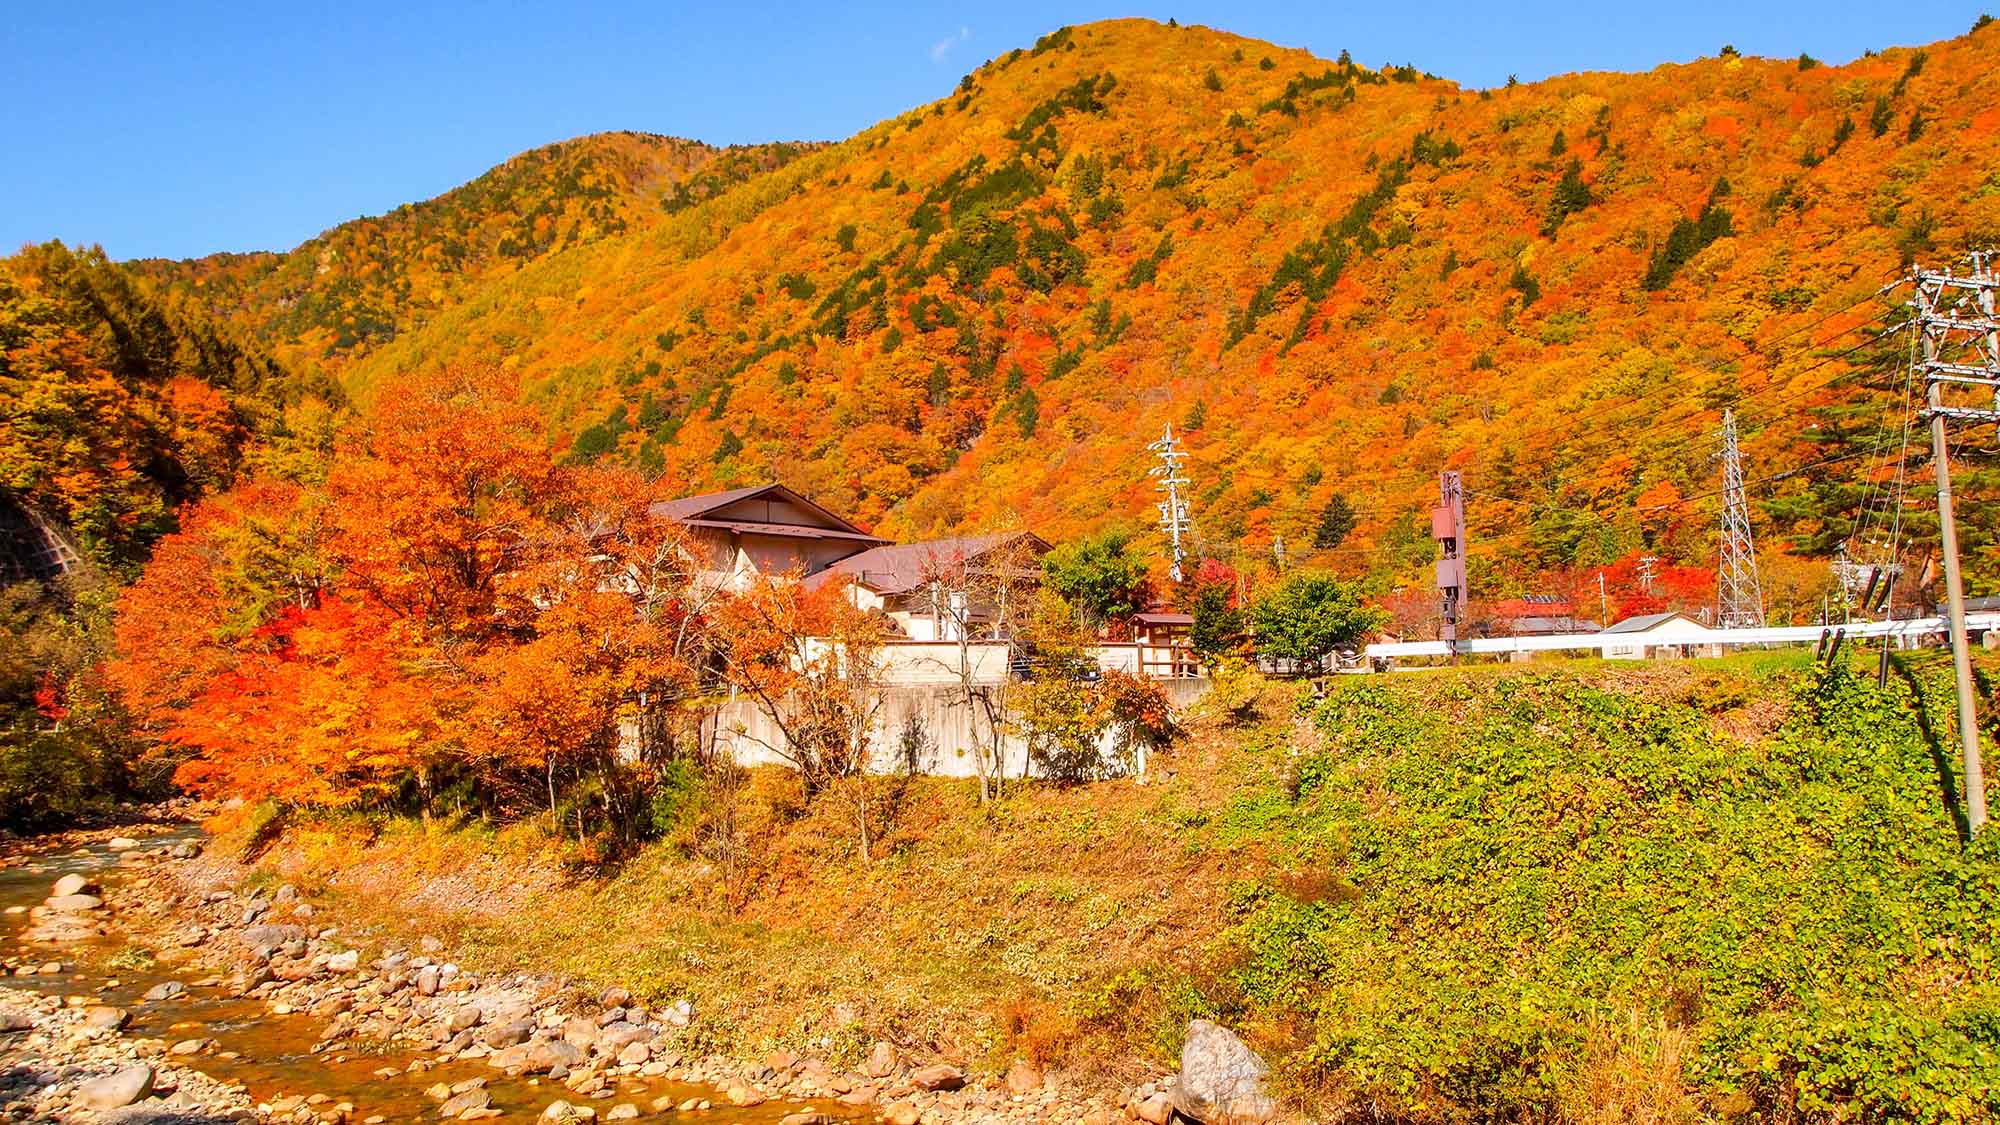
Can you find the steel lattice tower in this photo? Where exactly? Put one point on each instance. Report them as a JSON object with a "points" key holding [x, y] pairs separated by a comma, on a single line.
{"points": [[1739, 599]]}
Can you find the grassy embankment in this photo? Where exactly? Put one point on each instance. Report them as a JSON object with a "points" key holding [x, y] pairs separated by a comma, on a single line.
{"points": [[1582, 892]]}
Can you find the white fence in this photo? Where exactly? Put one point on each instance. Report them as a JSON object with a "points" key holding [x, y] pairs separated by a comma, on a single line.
{"points": [[1786, 634]]}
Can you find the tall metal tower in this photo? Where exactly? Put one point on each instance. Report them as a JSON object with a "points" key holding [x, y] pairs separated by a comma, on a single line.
{"points": [[1958, 326], [1739, 599], [1174, 509]]}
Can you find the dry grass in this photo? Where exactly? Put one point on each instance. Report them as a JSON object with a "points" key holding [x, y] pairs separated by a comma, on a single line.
{"points": [[1632, 1073], [976, 933]]}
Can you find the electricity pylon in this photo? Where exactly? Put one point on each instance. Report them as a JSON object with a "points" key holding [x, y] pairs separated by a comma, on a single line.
{"points": [[1739, 598]]}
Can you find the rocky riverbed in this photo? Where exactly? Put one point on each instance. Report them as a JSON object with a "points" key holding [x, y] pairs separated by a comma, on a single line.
{"points": [[150, 986]]}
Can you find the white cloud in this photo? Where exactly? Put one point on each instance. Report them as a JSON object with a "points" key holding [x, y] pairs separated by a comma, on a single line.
{"points": [[943, 47]]}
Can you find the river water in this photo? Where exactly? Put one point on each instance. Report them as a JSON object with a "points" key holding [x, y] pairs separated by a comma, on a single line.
{"points": [[271, 1055]]}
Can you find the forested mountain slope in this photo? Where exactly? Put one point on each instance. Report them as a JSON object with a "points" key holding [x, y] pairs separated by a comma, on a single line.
{"points": [[363, 281], [119, 402], [1334, 279]]}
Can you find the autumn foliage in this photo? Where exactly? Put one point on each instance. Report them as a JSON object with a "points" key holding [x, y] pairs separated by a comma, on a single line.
{"points": [[1336, 277], [448, 610]]}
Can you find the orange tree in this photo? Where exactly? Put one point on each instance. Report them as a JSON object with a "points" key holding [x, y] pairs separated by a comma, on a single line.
{"points": [[451, 610]]}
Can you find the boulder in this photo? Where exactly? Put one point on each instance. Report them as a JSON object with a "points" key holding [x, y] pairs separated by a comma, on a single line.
{"points": [[465, 1017], [106, 1018], [902, 1113], [617, 1037], [941, 1076], [75, 904], [511, 1059], [1023, 1078], [14, 1019], [475, 1098], [508, 1034], [580, 1032], [344, 962], [273, 934], [72, 885], [543, 1057], [615, 997], [1221, 1080], [165, 990], [881, 1062], [121, 844], [805, 1119], [427, 980], [120, 1088]]}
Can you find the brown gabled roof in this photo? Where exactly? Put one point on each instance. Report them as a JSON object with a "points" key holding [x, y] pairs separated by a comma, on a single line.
{"points": [[901, 567], [711, 510]]}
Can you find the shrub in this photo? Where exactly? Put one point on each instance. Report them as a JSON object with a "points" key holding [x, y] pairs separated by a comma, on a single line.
{"points": [[1569, 899], [1309, 614], [1099, 577]]}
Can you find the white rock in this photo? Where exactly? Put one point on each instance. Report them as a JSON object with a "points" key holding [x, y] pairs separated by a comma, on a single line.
{"points": [[120, 1088]]}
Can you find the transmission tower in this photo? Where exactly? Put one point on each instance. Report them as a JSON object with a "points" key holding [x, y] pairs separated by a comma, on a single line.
{"points": [[1739, 600], [1958, 329], [1174, 509]]}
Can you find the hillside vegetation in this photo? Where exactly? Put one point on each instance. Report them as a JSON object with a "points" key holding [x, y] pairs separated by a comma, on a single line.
{"points": [[119, 404], [1334, 279], [359, 284], [1722, 890]]}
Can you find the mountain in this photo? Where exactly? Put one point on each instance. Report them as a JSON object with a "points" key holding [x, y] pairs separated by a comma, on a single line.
{"points": [[361, 283], [1333, 280]]}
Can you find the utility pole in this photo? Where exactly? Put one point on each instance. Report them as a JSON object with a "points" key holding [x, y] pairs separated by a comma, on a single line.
{"points": [[1448, 528], [1960, 335], [1174, 509], [1603, 602], [1739, 598], [1646, 574]]}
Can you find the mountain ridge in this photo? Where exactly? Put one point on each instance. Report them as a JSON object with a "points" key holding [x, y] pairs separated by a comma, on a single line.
{"points": [[358, 283], [1337, 279]]}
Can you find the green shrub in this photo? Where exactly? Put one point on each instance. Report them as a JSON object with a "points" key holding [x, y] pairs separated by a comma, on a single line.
{"points": [[1531, 859]]}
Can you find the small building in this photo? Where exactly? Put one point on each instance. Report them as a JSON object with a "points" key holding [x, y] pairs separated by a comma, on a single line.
{"points": [[1659, 635], [930, 590], [763, 531], [1164, 643], [1550, 626]]}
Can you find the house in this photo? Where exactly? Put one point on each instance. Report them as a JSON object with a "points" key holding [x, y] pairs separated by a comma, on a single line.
{"points": [[1659, 635], [1537, 615], [1550, 626], [933, 589], [763, 531]]}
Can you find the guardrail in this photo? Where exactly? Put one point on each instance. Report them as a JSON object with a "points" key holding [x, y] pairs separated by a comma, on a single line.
{"points": [[1784, 634]]}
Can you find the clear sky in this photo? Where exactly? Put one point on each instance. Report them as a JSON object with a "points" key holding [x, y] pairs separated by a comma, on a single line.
{"points": [[167, 128]]}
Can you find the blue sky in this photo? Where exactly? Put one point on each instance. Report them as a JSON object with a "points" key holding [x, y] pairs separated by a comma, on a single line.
{"points": [[179, 129]]}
